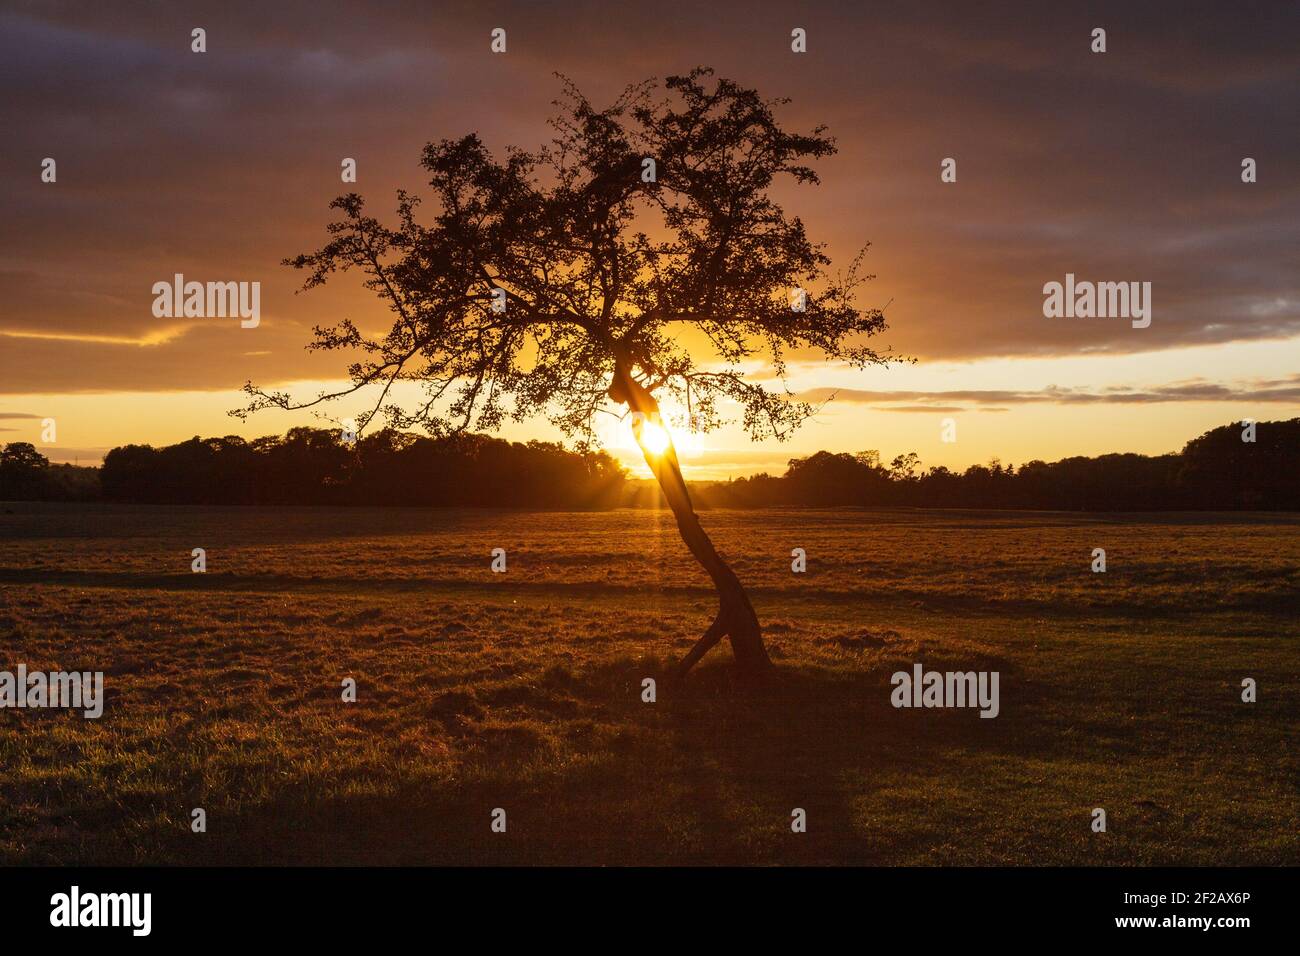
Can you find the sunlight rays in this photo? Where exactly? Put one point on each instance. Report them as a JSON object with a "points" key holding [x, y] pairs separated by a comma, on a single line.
{"points": [[653, 436]]}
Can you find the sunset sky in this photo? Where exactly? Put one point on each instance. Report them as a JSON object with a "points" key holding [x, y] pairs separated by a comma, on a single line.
{"points": [[1122, 166]]}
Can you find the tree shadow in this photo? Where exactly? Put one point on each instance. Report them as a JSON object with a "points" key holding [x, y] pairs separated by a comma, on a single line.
{"points": [[708, 773], [818, 738]]}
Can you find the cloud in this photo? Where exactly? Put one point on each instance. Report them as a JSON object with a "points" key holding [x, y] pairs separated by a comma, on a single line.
{"points": [[920, 408], [1287, 391], [208, 357], [160, 336], [1116, 167]]}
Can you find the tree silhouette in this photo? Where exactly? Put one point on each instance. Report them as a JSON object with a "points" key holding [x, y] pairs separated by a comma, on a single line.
{"points": [[23, 470], [559, 281]]}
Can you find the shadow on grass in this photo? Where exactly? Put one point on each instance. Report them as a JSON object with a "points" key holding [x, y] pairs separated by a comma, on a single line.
{"points": [[710, 773]]}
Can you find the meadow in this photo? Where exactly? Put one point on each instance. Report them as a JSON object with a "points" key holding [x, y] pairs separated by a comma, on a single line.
{"points": [[523, 690]]}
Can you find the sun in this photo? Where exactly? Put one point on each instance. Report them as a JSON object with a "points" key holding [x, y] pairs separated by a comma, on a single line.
{"points": [[654, 437]]}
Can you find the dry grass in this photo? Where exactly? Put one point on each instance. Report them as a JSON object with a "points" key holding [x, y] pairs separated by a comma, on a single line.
{"points": [[522, 690]]}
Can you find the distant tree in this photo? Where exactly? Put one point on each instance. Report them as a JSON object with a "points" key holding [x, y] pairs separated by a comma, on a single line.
{"points": [[23, 470], [1220, 467], [22, 458], [564, 280], [905, 467], [869, 458], [130, 473]]}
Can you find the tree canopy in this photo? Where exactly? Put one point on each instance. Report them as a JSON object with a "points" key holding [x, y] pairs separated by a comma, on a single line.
{"points": [[601, 257]]}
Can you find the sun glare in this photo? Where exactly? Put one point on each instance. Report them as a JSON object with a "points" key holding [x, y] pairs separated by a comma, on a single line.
{"points": [[654, 438]]}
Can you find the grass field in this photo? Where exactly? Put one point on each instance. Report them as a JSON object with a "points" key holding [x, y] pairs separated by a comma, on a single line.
{"points": [[523, 690]]}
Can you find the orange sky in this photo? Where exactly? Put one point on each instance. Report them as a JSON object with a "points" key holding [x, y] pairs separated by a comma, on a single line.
{"points": [[1123, 166]]}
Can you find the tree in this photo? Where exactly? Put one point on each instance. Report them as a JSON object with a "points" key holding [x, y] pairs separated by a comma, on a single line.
{"points": [[1221, 470], [561, 281], [23, 471], [905, 467]]}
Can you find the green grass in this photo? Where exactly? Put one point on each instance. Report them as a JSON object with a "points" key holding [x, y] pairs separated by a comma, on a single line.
{"points": [[523, 690]]}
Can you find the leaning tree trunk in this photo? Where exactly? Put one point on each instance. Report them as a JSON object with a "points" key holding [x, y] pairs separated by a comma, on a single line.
{"points": [[736, 619]]}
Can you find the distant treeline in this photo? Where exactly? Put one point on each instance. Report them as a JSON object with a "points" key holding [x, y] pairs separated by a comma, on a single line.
{"points": [[1218, 471], [312, 466], [27, 475]]}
